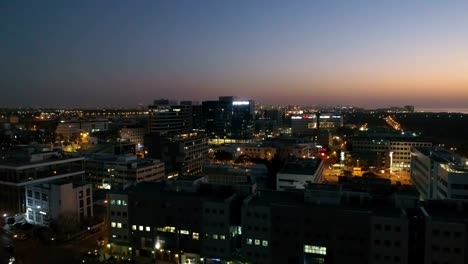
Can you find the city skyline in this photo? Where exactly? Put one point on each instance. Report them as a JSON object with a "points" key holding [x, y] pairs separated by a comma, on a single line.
{"points": [[367, 54]]}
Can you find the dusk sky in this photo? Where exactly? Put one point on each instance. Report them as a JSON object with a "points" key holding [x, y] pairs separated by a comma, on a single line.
{"points": [[122, 53]]}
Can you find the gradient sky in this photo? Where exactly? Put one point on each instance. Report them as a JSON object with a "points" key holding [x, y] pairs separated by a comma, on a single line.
{"points": [[122, 53]]}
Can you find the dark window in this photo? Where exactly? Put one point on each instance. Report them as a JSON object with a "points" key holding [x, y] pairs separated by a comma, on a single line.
{"points": [[387, 228], [112, 213], [88, 200], [88, 211], [29, 193], [396, 259], [447, 233], [376, 242], [457, 250], [44, 197], [457, 234], [435, 232], [221, 211], [378, 227], [396, 243], [80, 194], [37, 195], [81, 203], [397, 228], [124, 214], [88, 192]]}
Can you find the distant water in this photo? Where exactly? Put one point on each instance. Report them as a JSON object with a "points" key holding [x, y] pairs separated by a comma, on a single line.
{"points": [[443, 110]]}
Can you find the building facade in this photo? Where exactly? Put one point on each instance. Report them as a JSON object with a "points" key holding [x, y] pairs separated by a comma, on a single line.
{"points": [[217, 225], [299, 173], [31, 166], [169, 118], [439, 174], [108, 171], [48, 201]]}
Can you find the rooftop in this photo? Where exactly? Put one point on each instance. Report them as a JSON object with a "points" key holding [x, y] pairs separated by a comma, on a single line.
{"points": [[30, 156], [301, 166]]}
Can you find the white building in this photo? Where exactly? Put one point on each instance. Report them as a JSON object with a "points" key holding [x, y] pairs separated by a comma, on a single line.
{"points": [[297, 174], [48, 201], [439, 174]]}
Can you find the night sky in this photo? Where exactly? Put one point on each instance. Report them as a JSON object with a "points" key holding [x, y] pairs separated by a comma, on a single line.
{"points": [[122, 53]]}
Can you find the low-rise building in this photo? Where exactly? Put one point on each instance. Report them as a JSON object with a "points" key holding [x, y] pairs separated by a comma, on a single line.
{"points": [[299, 173], [439, 174], [48, 201], [183, 154], [108, 171], [135, 135], [31, 166], [322, 224]]}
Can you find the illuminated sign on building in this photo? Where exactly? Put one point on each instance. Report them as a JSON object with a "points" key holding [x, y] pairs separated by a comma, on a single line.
{"points": [[240, 103]]}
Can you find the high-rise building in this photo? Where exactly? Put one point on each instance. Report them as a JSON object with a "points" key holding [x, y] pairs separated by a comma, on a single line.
{"points": [[170, 118], [229, 118]]}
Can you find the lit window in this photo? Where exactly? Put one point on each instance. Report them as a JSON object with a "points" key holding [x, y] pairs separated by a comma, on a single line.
{"points": [[249, 241], [265, 243], [257, 242], [170, 229], [215, 236], [148, 229], [195, 236], [133, 227], [184, 232], [315, 250], [119, 225], [112, 201], [140, 228], [112, 224], [124, 203], [222, 237], [119, 202]]}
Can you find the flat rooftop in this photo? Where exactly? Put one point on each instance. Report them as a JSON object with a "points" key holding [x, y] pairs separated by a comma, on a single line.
{"points": [[20, 159], [301, 166], [438, 154]]}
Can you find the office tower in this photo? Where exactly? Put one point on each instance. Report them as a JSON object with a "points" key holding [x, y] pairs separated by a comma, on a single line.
{"points": [[229, 118], [169, 118], [182, 154]]}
